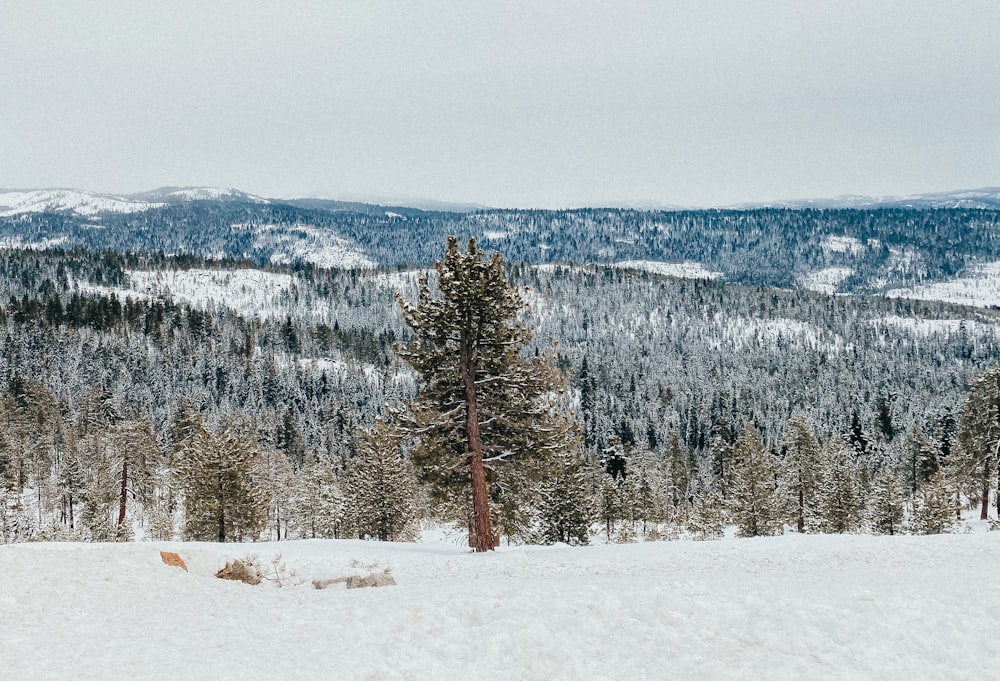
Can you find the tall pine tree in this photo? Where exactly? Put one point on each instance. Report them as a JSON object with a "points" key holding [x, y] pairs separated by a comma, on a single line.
{"points": [[221, 479], [979, 436], [757, 503], [480, 403]]}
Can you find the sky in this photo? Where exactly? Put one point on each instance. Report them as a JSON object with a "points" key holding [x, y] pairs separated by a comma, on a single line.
{"points": [[506, 104]]}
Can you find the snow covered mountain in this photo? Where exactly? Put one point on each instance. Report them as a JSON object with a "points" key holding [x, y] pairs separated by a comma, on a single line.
{"points": [[183, 194], [16, 202]]}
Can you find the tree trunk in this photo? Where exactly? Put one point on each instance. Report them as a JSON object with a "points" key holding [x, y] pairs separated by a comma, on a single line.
{"points": [[222, 513], [482, 533], [71, 511], [801, 524], [984, 511], [122, 498]]}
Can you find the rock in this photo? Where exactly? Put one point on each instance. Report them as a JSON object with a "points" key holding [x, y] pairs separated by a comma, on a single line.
{"points": [[240, 572], [358, 581], [323, 583], [171, 558], [376, 579]]}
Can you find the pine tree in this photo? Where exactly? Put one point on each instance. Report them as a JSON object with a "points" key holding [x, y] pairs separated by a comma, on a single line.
{"points": [[979, 437], [133, 442], [721, 456], [612, 506], [757, 504], [516, 497], [933, 509], [885, 506], [100, 495], [565, 508], [838, 503], [277, 479], [923, 457], [381, 497], [289, 440], [680, 472], [480, 402], [708, 516], [800, 469], [317, 503], [224, 498]]}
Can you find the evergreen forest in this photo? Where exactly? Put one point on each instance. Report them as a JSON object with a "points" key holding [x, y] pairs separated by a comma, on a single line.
{"points": [[184, 396]]}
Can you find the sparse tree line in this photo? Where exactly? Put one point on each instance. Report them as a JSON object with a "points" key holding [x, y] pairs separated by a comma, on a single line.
{"points": [[97, 474]]}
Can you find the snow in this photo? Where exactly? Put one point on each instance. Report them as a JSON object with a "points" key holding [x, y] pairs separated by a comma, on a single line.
{"points": [[979, 288], [208, 194], [40, 245], [791, 607], [305, 243], [683, 270], [406, 282], [847, 245], [78, 202], [744, 331], [825, 280], [941, 327], [248, 292]]}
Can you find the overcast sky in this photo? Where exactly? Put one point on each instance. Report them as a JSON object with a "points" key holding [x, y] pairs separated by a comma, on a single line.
{"points": [[543, 104]]}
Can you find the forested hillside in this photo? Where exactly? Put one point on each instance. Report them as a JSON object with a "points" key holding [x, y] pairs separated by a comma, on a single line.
{"points": [[859, 251], [106, 355]]}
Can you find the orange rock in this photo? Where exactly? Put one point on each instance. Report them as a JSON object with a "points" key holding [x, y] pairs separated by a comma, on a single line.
{"points": [[171, 558]]}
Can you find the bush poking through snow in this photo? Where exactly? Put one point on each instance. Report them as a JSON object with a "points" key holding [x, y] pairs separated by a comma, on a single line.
{"points": [[251, 570], [240, 571]]}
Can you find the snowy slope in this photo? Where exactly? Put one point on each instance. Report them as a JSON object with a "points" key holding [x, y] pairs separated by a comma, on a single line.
{"points": [[248, 292], [68, 200], [979, 288], [825, 280], [299, 242], [181, 194], [682, 270], [792, 607]]}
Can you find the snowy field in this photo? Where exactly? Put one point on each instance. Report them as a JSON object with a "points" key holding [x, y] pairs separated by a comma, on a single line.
{"points": [[792, 607], [681, 270], [979, 288], [825, 280]]}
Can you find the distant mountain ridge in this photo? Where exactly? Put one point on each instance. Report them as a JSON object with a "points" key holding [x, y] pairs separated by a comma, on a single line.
{"points": [[986, 198], [892, 248], [81, 202]]}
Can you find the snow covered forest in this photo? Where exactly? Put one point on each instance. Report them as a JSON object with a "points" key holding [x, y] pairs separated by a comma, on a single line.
{"points": [[133, 381]]}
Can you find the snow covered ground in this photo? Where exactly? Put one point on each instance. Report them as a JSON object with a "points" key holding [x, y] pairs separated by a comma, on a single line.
{"points": [[825, 280], [682, 270], [979, 288], [71, 200], [792, 607], [248, 292], [832, 243], [304, 243]]}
